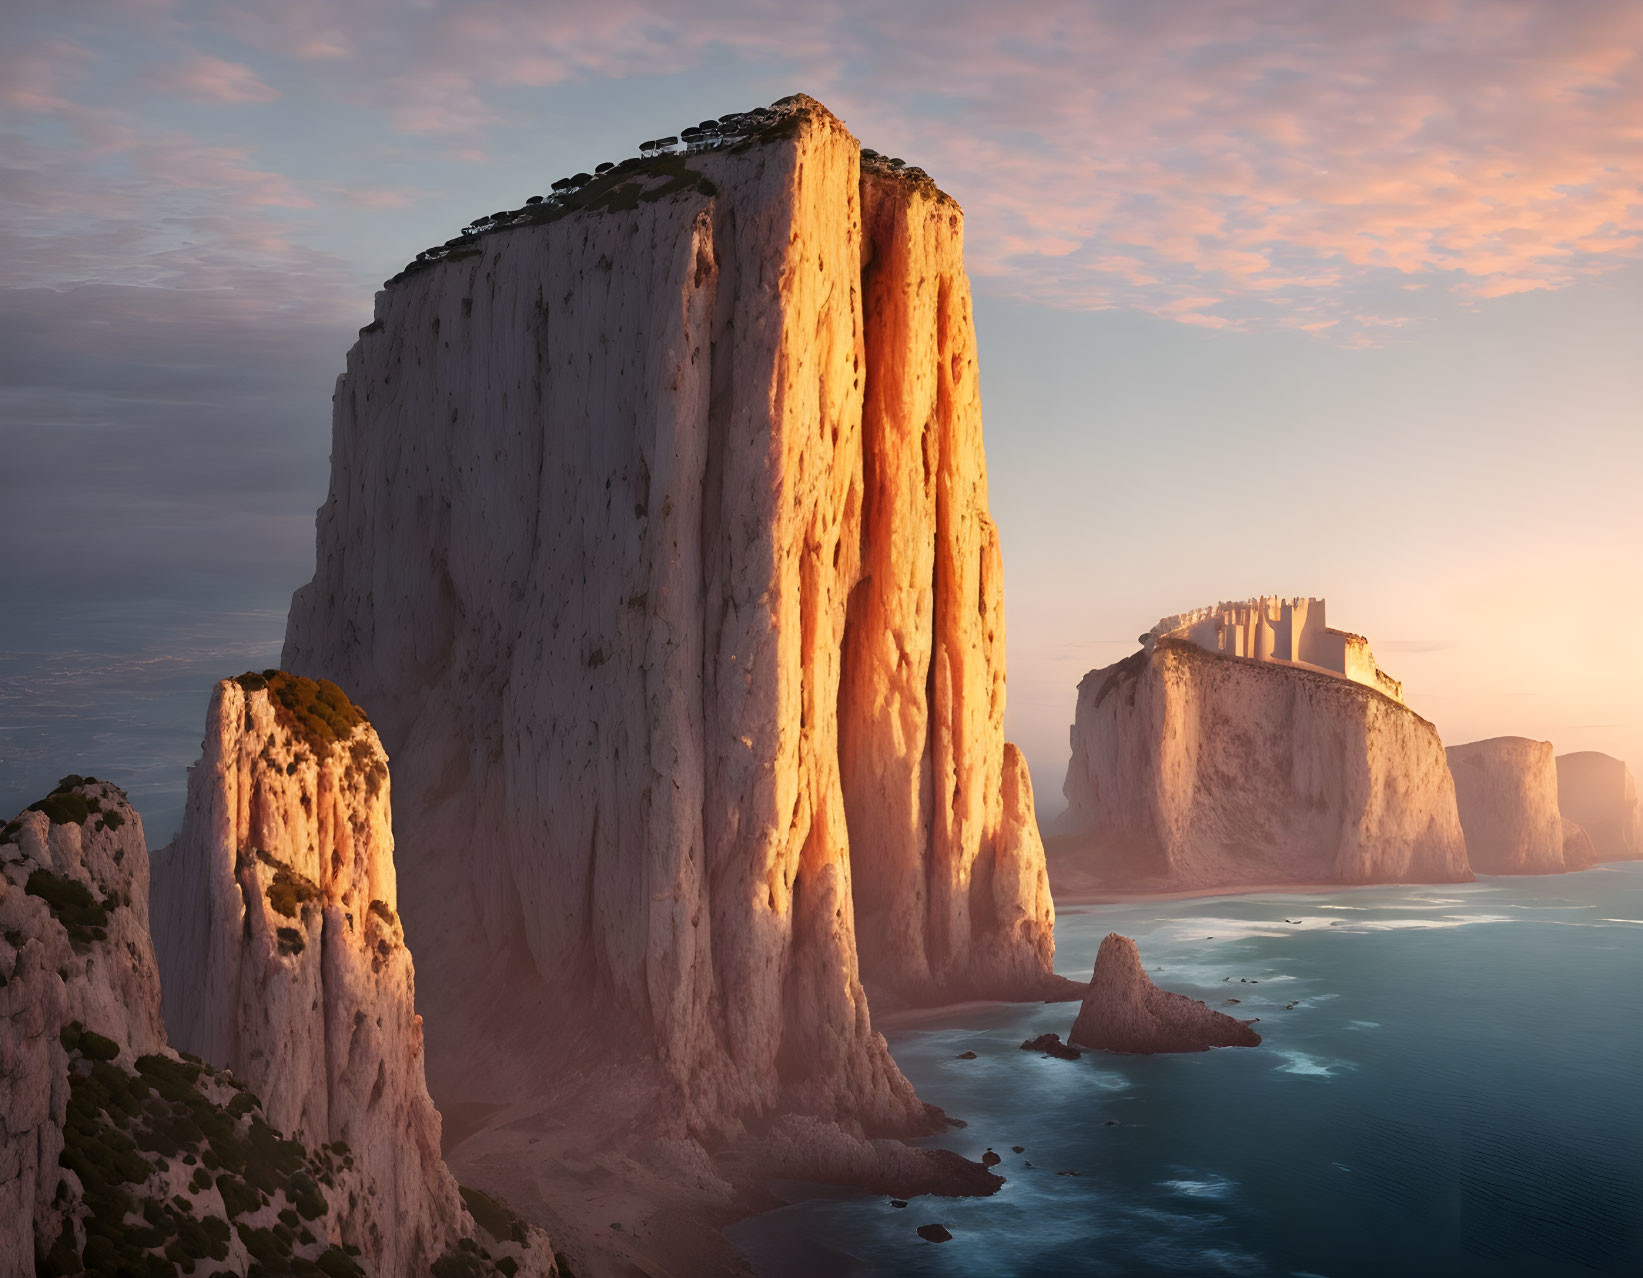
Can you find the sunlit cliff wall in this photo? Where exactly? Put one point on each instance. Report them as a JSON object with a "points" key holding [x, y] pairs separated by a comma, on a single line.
{"points": [[658, 544]]}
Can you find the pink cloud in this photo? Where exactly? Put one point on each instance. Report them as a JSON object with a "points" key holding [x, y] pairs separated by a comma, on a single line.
{"points": [[1252, 163], [205, 78]]}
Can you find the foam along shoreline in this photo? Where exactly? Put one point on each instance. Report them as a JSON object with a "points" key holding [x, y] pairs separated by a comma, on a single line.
{"points": [[1076, 896]]}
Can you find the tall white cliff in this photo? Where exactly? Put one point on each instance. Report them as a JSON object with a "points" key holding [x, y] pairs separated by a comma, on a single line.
{"points": [[1195, 769], [657, 542], [283, 959], [1506, 791], [1598, 792]]}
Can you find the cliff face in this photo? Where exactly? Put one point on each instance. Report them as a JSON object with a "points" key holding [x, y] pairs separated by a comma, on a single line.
{"points": [[284, 960], [74, 948], [1506, 791], [1191, 769], [1123, 1011], [1598, 792], [117, 1155], [657, 539]]}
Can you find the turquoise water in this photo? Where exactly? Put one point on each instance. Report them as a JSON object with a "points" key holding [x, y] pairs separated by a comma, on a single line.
{"points": [[1455, 1092]]}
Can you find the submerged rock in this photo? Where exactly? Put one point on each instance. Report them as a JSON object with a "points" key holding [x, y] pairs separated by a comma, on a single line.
{"points": [[1051, 1045], [1124, 1011]]}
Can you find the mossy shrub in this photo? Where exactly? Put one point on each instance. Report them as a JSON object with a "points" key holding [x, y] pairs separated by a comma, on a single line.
{"points": [[315, 710], [71, 903], [491, 1216], [289, 891], [66, 807]]}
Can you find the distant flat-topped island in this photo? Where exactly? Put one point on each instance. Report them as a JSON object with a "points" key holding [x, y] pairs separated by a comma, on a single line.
{"points": [[1250, 745]]}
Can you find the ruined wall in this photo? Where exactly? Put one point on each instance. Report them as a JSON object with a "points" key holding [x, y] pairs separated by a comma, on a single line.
{"points": [[1276, 629]]}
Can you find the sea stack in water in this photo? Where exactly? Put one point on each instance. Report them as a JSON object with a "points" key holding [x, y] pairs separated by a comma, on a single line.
{"points": [[1506, 791], [1598, 792], [1250, 743], [283, 958], [658, 543], [1124, 1011]]}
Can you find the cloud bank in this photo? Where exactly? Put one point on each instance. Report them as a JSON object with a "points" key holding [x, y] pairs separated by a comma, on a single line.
{"points": [[1299, 164]]}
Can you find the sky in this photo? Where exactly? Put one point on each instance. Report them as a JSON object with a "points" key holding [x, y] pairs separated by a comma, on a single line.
{"points": [[1289, 296]]}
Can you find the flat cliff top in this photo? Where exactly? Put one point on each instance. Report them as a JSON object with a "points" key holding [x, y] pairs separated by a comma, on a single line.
{"points": [[664, 167], [1188, 651]]}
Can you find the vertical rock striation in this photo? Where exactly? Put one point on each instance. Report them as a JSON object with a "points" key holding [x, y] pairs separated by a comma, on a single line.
{"points": [[284, 960], [657, 538], [1506, 792], [951, 894], [1192, 769]]}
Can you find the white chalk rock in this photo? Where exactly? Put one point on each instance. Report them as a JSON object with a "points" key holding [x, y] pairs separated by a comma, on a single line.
{"points": [[1193, 769], [284, 959], [658, 544], [74, 948], [117, 1155]]}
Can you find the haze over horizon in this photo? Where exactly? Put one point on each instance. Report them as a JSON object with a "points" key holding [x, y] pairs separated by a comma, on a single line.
{"points": [[1272, 298]]}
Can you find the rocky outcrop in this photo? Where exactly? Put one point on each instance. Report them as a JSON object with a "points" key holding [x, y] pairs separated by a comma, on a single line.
{"points": [[1598, 792], [1506, 791], [1192, 769], [284, 960], [1123, 1011], [118, 1155], [658, 542], [74, 950]]}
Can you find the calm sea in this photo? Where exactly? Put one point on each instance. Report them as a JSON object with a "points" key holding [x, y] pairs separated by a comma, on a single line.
{"points": [[1456, 1090], [118, 689]]}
